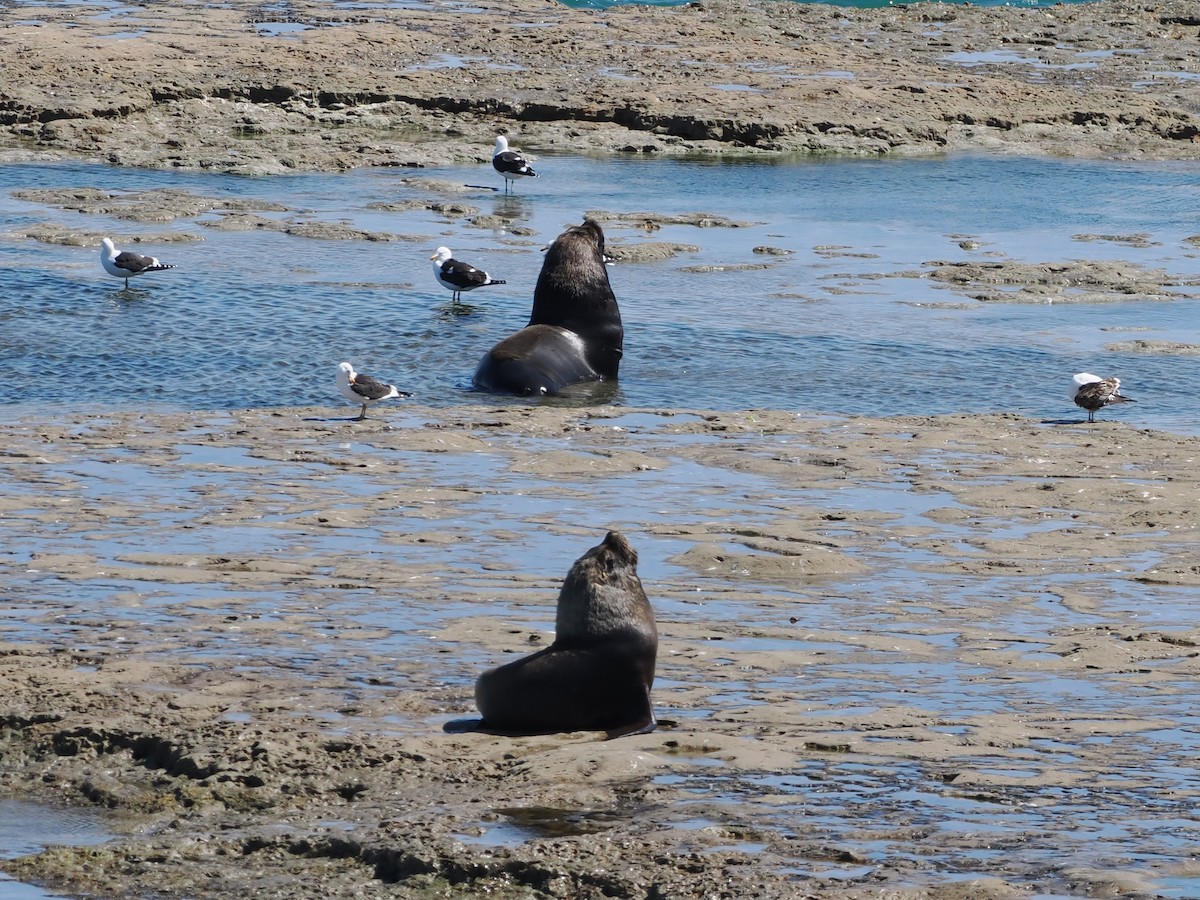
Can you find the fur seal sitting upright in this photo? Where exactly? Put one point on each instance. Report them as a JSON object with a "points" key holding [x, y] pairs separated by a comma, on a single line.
{"points": [[598, 672], [574, 332]]}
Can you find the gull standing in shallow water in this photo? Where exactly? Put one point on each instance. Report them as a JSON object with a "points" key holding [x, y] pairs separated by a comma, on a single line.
{"points": [[364, 389], [458, 276], [1093, 392], [510, 163], [125, 264]]}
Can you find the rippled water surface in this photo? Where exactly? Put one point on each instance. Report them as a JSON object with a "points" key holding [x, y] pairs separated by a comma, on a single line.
{"points": [[30, 827], [844, 323], [840, 324]]}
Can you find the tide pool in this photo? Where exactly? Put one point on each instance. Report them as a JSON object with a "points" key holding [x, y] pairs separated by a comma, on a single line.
{"points": [[814, 295]]}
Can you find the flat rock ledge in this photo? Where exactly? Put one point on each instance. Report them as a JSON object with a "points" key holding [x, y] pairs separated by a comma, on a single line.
{"points": [[233, 88]]}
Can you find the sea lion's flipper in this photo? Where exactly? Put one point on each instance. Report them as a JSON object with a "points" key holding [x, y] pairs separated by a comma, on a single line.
{"points": [[635, 728], [463, 726], [641, 726]]}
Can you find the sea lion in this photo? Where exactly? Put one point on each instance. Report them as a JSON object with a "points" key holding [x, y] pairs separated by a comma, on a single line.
{"points": [[574, 332], [597, 674]]}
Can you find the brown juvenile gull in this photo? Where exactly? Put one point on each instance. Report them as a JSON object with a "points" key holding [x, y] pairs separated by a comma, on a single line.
{"points": [[1093, 392]]}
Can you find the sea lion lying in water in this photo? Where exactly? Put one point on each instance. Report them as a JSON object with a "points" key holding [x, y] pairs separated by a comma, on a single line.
{"points": [[598, 672], [574, 332]]}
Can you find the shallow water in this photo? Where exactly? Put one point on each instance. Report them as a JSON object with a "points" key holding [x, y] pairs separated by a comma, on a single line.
{"points": [[28, 827], [31, 827], [937, 645], [262, 318]]}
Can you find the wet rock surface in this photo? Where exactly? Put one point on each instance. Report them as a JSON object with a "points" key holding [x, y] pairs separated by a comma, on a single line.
{"points": [[1072, 281], [222, 88], [280, 751], [854, 697]]}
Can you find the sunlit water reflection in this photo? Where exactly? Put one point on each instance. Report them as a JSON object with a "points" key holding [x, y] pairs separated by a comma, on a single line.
{"points": [[840, 324]]}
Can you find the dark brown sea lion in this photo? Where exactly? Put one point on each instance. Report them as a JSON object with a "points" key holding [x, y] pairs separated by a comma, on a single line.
{"points": [[598, 672], [574, 332]]}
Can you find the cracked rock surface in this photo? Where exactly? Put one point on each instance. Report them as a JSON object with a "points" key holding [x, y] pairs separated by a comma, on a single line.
{"points": [[216, 88]]}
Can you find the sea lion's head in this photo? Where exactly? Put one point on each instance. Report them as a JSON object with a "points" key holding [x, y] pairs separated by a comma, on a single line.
{"points": [[577, 250], [574, 279], [602, 594]]}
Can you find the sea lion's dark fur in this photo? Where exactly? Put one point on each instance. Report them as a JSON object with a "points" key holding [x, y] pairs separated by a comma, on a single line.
{"points": [[574, 332], [597, 674]]}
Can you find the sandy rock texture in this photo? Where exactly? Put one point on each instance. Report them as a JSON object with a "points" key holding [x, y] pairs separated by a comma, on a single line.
{"points": [[944, 657], [244, 88], [919, 657]]}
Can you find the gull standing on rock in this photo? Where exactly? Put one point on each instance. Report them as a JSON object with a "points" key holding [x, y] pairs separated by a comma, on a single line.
{"points": [[1093, 392], [364, 389], [457, 276], [125, 264], [510, 163]]}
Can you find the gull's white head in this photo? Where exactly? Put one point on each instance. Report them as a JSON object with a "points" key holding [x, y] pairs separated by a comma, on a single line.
{"points": [[108, 247], [346, 371], [501, 144], [442, 254]]}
